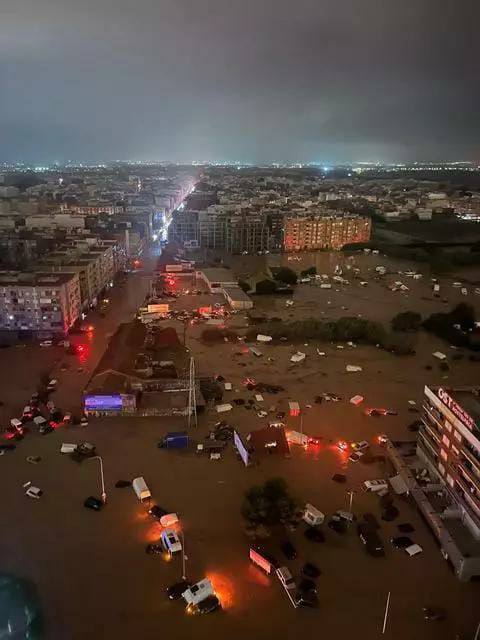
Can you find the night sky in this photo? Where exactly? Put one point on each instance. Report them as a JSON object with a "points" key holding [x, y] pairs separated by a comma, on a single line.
{"points": [[248, 80]]}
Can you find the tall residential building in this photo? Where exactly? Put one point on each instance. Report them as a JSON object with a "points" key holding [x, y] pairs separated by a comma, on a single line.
{"points": [[39, 303], [325, 231], [449, 442]]}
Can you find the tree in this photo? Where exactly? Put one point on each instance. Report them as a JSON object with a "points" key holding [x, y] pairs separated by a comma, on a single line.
{"points": [[286, 275], [244, 286], [311, 271], [464, 315], [265, 287], [408, 321], [269, 504]]}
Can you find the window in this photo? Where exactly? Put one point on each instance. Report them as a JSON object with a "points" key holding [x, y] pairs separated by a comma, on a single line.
{"points": [[441, 468], [446, 441], [443, 454], [450, 480], [448, 426], [457, 435]]}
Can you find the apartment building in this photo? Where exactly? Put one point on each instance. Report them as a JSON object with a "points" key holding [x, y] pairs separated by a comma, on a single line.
{"points": [[92, 209], [40, 303], [95, 264], [325, 231]]}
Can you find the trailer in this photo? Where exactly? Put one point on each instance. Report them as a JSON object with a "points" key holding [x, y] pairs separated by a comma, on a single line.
{"points": [[262, 560], [312, 515], [297, 438], [294, 409]]}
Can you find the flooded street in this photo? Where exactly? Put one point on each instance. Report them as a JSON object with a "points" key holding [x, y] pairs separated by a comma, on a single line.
{"points": [[94, 577]]}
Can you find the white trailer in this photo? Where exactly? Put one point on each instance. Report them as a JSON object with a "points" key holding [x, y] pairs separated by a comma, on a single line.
{"points": [[297, 438], [312, 515]]}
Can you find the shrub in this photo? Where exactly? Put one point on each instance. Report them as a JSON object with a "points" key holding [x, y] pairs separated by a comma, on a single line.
{"points": [[244, 286], [286, 275], [266, 287], [408, 321], [211, 390], [269, 504]]}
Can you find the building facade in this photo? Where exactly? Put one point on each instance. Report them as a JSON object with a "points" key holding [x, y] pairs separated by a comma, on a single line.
{"points": [[449, 442], [39, 303], [325, 231]]}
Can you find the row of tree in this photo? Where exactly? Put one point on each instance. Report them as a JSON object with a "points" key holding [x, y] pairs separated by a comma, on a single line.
{"points": [[346, 329]]}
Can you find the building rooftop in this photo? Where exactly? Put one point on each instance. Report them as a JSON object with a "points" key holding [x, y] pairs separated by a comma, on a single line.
{"points": [[35, 279], [469, 400], [237, 294], [219, 275]]}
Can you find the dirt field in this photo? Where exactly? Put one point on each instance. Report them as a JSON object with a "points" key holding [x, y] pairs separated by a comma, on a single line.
{"points": [[91, 569]]}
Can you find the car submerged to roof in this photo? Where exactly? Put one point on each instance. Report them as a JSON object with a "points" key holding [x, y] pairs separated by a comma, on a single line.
{"points": [[370, 538], [207, 605], [175, 591]]}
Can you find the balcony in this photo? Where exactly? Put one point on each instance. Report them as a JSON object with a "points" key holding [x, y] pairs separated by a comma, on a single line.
{"points": [[464, 468], [435, 416], [468, 495], [432, 431], [428, 447], [472, 454]]}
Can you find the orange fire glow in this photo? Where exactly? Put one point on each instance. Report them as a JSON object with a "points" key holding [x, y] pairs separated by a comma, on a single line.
{"points": [[223, 588]]}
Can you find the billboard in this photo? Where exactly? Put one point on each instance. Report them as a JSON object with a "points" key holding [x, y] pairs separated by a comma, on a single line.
{"points": [[104, 403], [241, 448]]}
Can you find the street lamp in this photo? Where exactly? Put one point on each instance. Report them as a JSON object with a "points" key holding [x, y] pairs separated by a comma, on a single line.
{"points": [[184, 557], [350, 493], [104, 495]]}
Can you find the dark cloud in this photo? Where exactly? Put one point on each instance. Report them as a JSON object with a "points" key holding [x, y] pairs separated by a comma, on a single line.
{"points": [[326, 80]]}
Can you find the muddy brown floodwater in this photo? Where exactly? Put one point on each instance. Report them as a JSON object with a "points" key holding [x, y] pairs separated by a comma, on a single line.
{"points": [[94, 577]]}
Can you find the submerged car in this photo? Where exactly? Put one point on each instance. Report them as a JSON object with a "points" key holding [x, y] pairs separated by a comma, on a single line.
{"points": [[93, 503], [207, 605], [175, 591]]}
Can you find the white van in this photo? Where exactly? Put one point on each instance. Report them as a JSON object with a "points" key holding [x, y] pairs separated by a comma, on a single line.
{"points": [[171, 541], [16, 423], [140, 487], [198, 592]]}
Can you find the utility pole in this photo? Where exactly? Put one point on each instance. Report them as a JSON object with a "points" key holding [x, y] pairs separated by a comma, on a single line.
{"points": [[387, 607], [192, 400]]}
